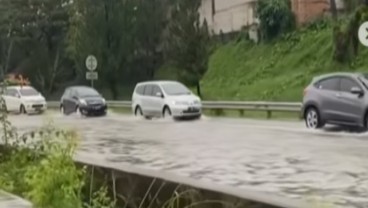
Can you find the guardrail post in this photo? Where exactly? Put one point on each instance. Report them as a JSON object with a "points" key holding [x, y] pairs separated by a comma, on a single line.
{"points": [[219, 112], [269, 114], [241, 113]]}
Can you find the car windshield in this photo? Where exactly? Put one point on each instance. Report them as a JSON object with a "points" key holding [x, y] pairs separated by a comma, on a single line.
{"points": [[87, 92], [28, 92], [175, 89], [364, 80]]}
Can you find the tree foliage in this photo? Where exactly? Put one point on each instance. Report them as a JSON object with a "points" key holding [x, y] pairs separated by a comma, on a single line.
{"points": [[124, 35], [188, 44], [30, 30], [107, 30], [346, 39], [276, 17], [352, 5]]}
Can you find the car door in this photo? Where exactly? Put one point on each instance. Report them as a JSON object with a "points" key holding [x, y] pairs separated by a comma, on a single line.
{"points": [[328, 96], [18, 99], [137, 97], [351, 106], [12, 100], [147, 104], [157, 100], [68, 101], [8, 97]]}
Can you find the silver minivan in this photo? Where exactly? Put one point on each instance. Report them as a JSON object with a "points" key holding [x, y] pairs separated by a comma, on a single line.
{"points": [[165, 99]]}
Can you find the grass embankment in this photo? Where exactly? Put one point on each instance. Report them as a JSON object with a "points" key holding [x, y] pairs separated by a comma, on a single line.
{"points": [[276, 71]]}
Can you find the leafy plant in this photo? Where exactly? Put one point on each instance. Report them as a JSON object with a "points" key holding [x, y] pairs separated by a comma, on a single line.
{"points": [[351, 5], [188, 44], [345, 36], [42, 169], [276, 17]]}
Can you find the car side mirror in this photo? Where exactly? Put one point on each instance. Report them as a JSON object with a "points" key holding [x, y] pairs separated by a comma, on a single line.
{"points": [[357, 91], [17, 95], [159, 94]]}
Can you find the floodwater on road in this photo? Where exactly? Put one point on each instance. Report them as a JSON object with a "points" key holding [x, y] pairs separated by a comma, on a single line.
{"points": [[281, 158]]}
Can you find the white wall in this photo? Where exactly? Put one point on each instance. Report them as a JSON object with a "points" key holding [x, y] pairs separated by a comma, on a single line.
{"points": [[230, 15]]}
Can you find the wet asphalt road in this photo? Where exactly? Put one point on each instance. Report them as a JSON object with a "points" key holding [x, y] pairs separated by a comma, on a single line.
{"points": [[269, 156]]}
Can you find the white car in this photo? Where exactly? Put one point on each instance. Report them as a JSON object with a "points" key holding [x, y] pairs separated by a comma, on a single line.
{"points": [[165, 99], [24, 99]]}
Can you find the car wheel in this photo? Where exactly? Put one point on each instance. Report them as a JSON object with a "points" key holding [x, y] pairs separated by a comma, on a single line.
{"points": [[78, 111], [166, 113], [366, 122], [313, 119], [198, 117], [138, 112], [62, 110], [22, 110]]}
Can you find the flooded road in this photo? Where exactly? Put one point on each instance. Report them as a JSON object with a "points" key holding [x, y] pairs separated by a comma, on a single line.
{"points": [[281, 158]]}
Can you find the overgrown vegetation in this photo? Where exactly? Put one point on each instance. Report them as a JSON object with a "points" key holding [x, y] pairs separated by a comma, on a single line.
{"points": [[345, 34], [44, 172], [188, 44], [276, 17], [352, 5], [278, 70]]}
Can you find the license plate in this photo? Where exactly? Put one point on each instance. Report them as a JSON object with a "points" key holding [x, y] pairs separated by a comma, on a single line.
{"points": [[96, 108]]}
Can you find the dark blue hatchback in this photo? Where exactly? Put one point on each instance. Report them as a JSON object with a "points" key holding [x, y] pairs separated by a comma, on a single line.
{"points": [[82, 100]]}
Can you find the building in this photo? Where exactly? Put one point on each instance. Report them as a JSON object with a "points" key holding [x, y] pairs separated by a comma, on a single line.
{"points": [[228, 16], [308, 10]]}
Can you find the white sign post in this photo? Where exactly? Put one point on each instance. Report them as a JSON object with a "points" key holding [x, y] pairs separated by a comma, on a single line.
{"points": [[91, 64]]}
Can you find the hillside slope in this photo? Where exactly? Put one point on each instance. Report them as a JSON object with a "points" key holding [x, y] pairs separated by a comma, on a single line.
{"points": [[276, 71]]}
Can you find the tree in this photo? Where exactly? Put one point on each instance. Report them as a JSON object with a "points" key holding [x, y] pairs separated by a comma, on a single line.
{"points": [[276, 17], [188, 44], [107, 29], [333, 9], [152, 20], [345, 37], [37, 28]]}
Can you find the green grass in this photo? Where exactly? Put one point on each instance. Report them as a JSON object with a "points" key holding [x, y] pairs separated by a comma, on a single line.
{"points": [[276, 71]]}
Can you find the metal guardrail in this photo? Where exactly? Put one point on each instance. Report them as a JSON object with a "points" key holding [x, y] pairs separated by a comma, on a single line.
{"points": [[220, 106]]}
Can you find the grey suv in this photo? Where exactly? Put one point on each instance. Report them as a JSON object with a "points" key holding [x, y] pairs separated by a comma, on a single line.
{"points": [[339, 98]]}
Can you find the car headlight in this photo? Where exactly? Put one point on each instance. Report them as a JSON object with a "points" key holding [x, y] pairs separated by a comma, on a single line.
{"points": [[197, 102], [83, 102], [180, 103], [103, 101]]}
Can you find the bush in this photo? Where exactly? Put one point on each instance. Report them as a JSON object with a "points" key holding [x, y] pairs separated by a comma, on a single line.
{"points": [[43, 170], [276, 17]]}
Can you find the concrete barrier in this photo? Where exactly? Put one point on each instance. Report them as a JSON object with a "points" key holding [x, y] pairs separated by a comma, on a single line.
{"points": [[8, 200]]}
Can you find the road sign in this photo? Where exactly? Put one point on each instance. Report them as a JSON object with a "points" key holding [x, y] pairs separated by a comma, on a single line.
{"points": [[92, 75], [363, 34], [91, 63]]}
